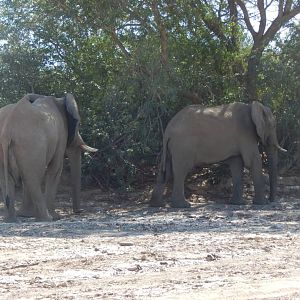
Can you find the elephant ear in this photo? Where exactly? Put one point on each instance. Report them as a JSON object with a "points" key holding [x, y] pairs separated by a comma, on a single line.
{"points": [[259, 114], [73, 118]]}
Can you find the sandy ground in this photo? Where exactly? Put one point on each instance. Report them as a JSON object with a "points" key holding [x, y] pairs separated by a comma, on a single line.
{"points": [[121, 249]]}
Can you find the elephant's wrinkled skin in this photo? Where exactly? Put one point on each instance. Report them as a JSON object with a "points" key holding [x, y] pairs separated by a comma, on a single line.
{"points": [[36, 132], [229, 133]]}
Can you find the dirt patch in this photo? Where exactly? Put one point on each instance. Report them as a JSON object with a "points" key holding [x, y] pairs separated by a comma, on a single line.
{"points": [[121, 249]]}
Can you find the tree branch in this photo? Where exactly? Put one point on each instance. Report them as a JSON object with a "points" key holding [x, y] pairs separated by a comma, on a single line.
{"points": [[246, 18], [233, 19], [269, 4], [263, 18], [116, 39], [280, 8], [288, 6], [162, 32], [135, 16], [213, 22], [279, 21]]}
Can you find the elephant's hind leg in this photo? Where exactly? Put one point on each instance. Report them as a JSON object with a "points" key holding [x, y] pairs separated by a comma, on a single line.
{"points": [[38, 198], [52, 180], [9, 202], [236, 165], [27, 207], [180, 170], [33, 172]]}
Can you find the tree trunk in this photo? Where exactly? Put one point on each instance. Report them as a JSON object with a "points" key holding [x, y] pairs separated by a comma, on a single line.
{"points": [[252, 73]]}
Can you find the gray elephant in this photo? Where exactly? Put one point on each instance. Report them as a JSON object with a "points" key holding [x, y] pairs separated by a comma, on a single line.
{"points": [[36, 132], [230, 133]]}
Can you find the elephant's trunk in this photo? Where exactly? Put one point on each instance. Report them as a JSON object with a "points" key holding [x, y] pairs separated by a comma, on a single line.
{"points": [[272, 155], [74, 155]]}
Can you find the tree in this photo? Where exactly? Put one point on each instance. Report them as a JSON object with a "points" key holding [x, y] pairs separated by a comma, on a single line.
{"points": [[286, 10], [131, 65]]}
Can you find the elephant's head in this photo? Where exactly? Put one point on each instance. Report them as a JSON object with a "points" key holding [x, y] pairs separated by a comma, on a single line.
{"points": [[265, 125], [75, 145]]}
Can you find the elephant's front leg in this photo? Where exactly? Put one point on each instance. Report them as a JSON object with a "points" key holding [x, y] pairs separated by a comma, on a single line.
{"points": [[258, 179], [236, 165], [180, 170]]}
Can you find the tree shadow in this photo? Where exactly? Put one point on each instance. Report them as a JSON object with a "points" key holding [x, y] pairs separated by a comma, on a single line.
{"points": [[128, 214]]}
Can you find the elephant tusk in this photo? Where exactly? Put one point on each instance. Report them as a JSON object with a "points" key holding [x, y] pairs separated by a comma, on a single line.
{"points": [[281, 149], [87, 148]]}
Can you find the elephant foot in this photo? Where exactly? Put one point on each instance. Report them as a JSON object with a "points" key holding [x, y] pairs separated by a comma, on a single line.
{"points": [[12, 219], [260, 201], [156, 203], [157, 197], [27, 213], [237, 201], [272, 199], [180, 204], [55, 216], [44, 218]]}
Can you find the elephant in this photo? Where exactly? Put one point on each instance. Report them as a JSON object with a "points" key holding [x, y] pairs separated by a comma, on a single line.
{"points": [[230, 133], [36, 133]]}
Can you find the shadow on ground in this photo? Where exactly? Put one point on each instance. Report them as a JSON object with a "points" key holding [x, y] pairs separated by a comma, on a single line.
{"points": [[115, 214]]}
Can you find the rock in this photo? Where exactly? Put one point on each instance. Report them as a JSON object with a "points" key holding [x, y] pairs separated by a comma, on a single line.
{"points": [[136, 268], [126, 244]]}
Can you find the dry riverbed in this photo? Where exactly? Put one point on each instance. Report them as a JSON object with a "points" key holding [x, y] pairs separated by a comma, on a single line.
{"points": [[121, 249]]}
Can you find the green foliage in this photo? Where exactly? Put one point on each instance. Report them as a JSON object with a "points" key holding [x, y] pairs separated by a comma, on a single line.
{"points": [[132, 65]]}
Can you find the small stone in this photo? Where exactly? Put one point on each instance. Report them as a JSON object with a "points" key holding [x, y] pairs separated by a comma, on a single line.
{"points": [[136, 268], [126, 244], [212, 257]]}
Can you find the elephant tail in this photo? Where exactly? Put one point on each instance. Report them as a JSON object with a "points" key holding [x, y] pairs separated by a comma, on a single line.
{"points": [[163, 175], [164, 153], [165, 166], [10, 168]]}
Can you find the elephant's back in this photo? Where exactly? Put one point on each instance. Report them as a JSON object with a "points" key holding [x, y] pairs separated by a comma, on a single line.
{"points": [[36, 125], [205, 134], [198, 117]]}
